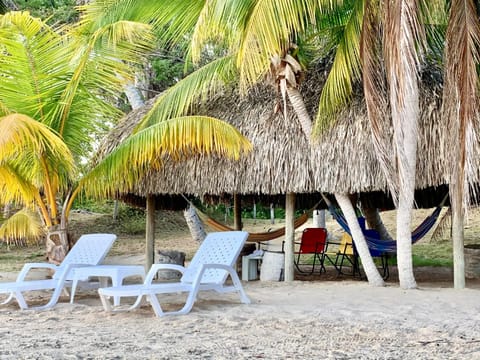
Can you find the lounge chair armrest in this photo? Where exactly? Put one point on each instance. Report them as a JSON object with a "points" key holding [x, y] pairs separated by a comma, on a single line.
{"points": [[157, 267], [29, 266]]}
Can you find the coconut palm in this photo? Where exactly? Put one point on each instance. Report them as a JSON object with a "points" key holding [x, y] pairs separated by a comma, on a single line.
{"points": [[267, 30], [69, 81], [461, 108], [263, 37], [255, 32], [26, 148]]}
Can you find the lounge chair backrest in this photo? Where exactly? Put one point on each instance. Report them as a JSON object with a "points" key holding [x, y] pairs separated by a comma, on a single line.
{"points": [[90, 249], [217, 248]]}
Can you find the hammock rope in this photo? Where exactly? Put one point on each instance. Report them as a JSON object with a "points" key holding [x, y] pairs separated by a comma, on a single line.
{"points": [[252, 237]]}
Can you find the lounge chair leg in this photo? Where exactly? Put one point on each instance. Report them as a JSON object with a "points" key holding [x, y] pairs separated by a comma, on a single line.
{"points": [[106, 303], [8, 300], [238, 285], [53, 300], [156, 305], [74, 289], [21, 300]]}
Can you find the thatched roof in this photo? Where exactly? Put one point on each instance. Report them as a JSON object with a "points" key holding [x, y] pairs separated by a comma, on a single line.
{"points": [[347, 160], [279, 162], [343, 161]]}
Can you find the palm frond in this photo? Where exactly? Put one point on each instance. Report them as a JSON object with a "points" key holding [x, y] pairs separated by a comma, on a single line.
{"points": [[375, 91], [269, 31], [179, 99], [101, 62], [15, 187], [209, 26], [346, 69], [22, 135], [22, 228], [176, 138], [32, 64], [434, 18]]}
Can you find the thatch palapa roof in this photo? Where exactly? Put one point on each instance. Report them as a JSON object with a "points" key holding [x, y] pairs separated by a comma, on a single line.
{"points": [[282, 161], [348, 162]]}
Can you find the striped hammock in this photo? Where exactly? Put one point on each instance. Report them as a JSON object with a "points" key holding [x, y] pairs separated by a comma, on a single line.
{"points": [[253, 237]]}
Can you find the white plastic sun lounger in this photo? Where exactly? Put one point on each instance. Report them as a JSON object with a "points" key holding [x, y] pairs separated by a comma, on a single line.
{"points": [[208, 270], [90, 249]]}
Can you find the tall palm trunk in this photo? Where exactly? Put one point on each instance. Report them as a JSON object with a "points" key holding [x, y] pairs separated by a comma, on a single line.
{"points": [[461, 109], [194, 224], [361, 245], [401, 39], [296, 99]]}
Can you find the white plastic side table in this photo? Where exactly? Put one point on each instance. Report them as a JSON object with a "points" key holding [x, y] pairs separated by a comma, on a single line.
{"points": [[115, 272], [250, 267]]}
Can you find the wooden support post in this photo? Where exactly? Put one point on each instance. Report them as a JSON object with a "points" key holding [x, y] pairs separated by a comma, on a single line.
{"points": [[289, 271], [237, 212], [150, 232]]}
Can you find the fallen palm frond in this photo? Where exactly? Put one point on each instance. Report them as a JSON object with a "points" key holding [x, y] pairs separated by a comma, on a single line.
{"points": [[443, 230]]}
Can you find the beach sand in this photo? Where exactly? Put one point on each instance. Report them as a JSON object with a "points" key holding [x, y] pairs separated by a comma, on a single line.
{"points": [[299, 320], [315, 317]]}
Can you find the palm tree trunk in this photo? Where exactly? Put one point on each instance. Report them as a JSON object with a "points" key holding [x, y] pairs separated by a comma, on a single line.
{"points": [[405, 122], [456, 194], [56, 245], [374, 221], [403, 33], [194, 224], [371, 271], [296, 99]]}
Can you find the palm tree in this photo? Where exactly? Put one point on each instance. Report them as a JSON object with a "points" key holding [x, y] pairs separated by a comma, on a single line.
{"points": [[69, 82], [265, 34], [23, 146], [461, 109], [255, 32]]}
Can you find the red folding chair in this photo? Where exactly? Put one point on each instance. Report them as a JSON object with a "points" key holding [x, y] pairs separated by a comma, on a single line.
{"points": [[313, 242]]}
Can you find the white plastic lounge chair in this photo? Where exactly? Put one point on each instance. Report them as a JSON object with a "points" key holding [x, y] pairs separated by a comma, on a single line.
{"points": [[208, 270], [90, 249]]}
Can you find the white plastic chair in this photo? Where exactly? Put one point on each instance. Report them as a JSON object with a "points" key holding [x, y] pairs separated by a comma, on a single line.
{"points": [[208, 270], [90, 249]]}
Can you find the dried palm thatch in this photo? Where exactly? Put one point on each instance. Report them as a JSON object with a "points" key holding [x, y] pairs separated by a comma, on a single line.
{"points": [[279, 163], [282, 161], [348, 160]]}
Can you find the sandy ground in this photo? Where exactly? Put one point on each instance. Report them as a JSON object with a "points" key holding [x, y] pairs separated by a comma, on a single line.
{"points": [[299, 320], [310, 318]]}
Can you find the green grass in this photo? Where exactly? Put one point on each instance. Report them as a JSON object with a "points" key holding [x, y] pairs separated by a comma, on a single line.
{"points": [[14, 258], [433, 254]]}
